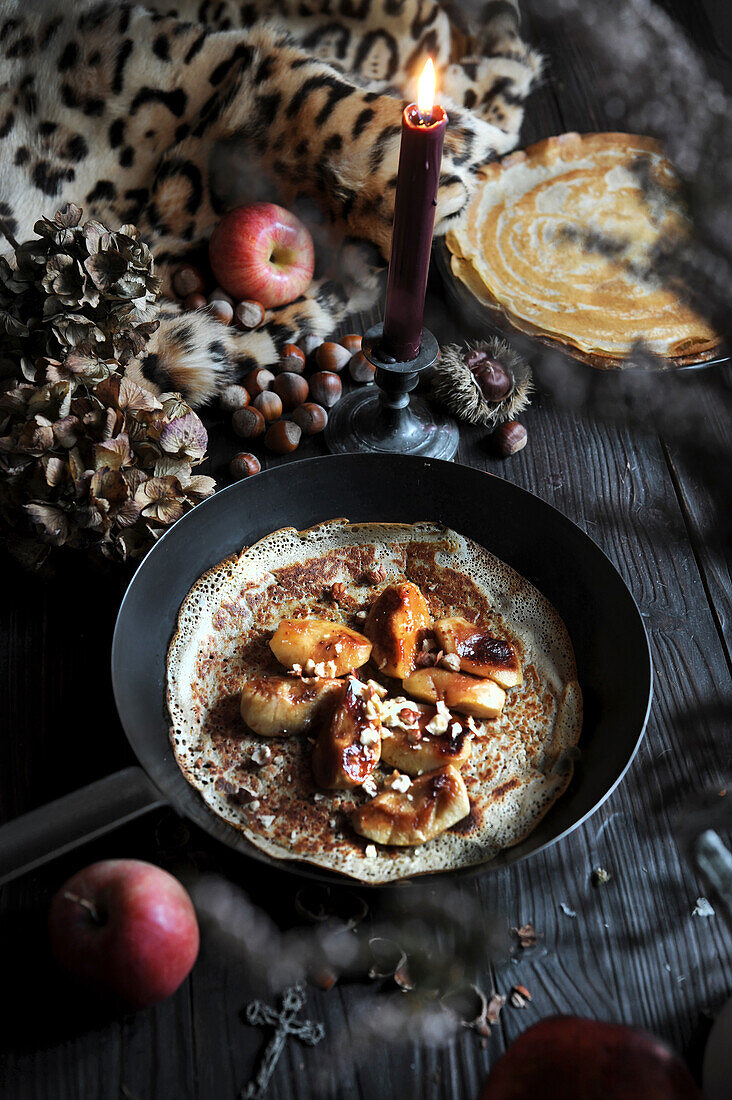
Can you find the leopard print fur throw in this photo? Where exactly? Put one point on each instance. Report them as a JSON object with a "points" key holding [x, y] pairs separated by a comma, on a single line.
{"points": [[125, 110]]}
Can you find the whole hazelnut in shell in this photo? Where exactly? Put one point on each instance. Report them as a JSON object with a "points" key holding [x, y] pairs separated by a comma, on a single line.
{"points": [[269, 404], [187, 280], [249, 314], [360, 369], [509, 437], [310, 344], [248, 423], [292, 389], [244, 465], [283, 437], [310, 418], [259, 380], [233, 398], [351, 342], [325, 388], [194, 301], [222, 311], [332, 357]]}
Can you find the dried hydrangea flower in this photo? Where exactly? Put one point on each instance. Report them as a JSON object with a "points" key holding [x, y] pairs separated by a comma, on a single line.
{"points": [[88, 458]]}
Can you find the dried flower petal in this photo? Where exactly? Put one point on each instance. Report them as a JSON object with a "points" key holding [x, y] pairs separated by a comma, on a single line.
{"points": [[160, 498], [51, 520], [113, 453], [186, 437]]}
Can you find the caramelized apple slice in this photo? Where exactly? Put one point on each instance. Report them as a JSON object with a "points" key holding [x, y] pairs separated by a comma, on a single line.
{"points": [[416, 814], [397, 622], [275, 706], [426, 741], [481, 698], [349, 743], [334, 646], [479, 652]]}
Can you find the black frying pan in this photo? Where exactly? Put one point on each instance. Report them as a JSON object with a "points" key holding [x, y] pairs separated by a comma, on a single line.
{"points": [[607, 632]]}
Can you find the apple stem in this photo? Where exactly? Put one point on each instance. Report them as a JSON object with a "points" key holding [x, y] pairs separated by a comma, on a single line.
{"points": [[88, 905]]}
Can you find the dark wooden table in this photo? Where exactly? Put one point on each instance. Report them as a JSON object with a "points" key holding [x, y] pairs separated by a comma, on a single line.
{"points": [[651, 493]]}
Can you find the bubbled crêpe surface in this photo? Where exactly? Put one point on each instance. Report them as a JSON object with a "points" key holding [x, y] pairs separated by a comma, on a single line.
{"points": [[561, 238], [520, 764]]}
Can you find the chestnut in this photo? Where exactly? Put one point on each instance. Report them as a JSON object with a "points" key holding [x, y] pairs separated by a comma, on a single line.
{"points": [[332, 357], [509, 437], [360, 369], [283, 437], [248, 422], [187, 280], [222, 311], [325, 388], [259, 380], [292, 389], [244, 465], [269, 404], [219, 294], [233, 398], [249, 314], [194, 301], [493, 379], [351, 342], [310, 418]]}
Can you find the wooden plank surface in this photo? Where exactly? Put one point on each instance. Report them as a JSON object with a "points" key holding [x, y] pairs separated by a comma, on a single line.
{"points": [[632, 951]]}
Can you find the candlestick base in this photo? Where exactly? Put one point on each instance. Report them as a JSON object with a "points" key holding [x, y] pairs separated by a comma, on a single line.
{"points": [[382, 417]]}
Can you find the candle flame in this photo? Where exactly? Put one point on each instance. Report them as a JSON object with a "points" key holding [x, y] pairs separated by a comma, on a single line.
{"points": [[426, 91]]}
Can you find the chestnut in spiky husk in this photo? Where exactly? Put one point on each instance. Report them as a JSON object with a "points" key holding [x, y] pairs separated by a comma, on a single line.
{"points": [[486, 382]]}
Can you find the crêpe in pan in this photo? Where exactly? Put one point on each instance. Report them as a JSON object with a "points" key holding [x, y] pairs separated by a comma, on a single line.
{"points": [[522, 249], [521, 762]]}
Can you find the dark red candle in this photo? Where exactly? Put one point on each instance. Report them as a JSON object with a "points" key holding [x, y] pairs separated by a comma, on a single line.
{"points": [[420, 157]]}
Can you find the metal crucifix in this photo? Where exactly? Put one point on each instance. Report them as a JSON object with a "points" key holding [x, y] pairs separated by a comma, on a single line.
{"points": [[285, 1025]]}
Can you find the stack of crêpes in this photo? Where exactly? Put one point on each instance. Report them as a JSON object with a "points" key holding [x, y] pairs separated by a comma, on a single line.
{"points": [[563, 240]]}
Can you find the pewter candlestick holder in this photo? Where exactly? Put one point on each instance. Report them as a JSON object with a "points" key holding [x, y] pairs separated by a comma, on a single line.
{"points": [[383, 417]]}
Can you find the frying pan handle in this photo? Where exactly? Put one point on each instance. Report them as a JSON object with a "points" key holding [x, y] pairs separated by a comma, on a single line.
{"points": [[41, 835]]}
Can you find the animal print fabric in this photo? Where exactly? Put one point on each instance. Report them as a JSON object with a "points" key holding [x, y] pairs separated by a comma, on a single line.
{"points": [[128, 110]]}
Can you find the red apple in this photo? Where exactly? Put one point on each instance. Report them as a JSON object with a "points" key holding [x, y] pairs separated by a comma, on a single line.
{"points": [[127, 928], [588, 1060], [262, 252]]}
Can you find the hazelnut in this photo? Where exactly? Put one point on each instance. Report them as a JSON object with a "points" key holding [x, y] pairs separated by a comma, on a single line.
{"points": [[310, 344], [249, 314], [351, 342], [292, 389], [508, 438], [248, 422], [310, 418], [325, 388], [259, 380], [219, 294], [244, 465], [221, 310], [283, 437], [332, 357], [194, 301], [360, 369], [269, 404], [187, 280], [233, 398], [292, 351], [493, 379]]}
